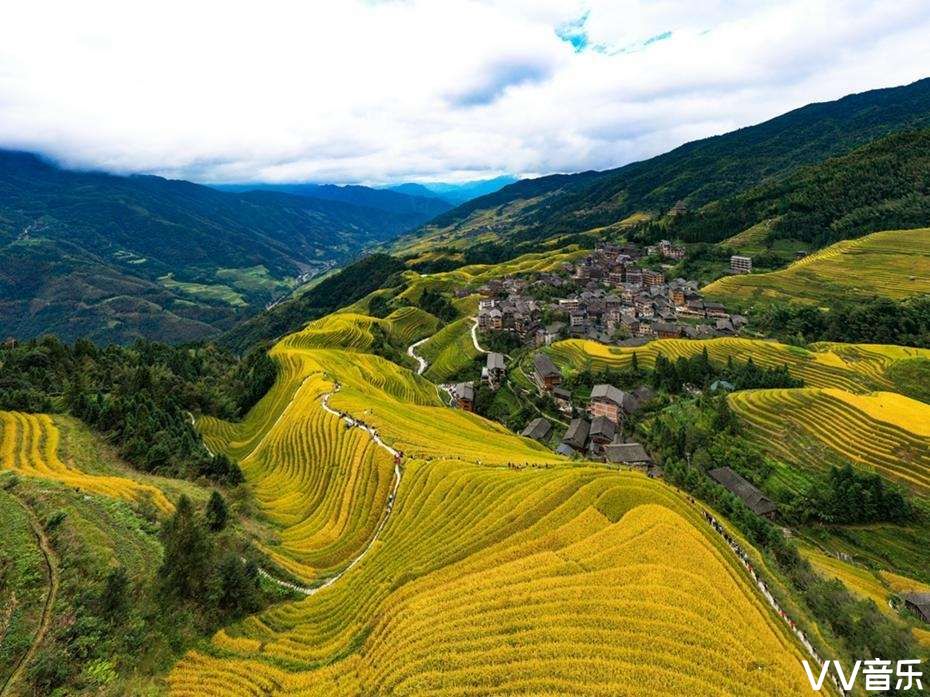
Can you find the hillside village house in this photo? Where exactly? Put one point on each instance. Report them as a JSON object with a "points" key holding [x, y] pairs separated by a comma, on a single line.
{"points": [[740, 264], [601, 433], [611, 402], [464, 393], [545, 373], [576, 436], [538, 429], [630, 454], [494, 369], [754, 499]]}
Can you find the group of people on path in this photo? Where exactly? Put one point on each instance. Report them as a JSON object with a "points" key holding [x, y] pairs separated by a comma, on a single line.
{"points": [[763, 587]]}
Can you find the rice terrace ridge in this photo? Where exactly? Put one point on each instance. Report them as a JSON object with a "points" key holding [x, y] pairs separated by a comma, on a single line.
{"points": [[492, 349]]}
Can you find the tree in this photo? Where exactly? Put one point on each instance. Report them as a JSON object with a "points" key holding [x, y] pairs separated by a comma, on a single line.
{"points": [[188, 551], [238, 586], [217, 513], [114, 598]]}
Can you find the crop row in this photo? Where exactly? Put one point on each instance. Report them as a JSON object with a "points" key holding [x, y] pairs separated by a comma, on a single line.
{"points": [[836, 420], [29, 446]]}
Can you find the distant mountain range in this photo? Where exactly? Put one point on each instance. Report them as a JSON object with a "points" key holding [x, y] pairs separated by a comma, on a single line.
{"points": [[456, 194], [115, 257], [414, 203], [696, 173]]}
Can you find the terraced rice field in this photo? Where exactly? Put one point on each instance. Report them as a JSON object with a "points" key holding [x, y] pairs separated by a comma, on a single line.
{"points": [[568, 580], [353, 331], [29, 446], [814, 428], [860, 581], [449, 350], [544, 578], [893, 264], [852, 367]]}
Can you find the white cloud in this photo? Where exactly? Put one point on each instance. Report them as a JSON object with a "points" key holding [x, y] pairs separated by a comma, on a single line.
{"points": [[388, 91]]}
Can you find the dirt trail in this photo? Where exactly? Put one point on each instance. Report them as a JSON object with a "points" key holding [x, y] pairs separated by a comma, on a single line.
{"points": [[354, 423], [45, 622], [422, 365]]}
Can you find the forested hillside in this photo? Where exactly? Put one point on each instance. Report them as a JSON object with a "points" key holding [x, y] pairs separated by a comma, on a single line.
{"points": [[884, 185], [696, 173], [114, 258]]}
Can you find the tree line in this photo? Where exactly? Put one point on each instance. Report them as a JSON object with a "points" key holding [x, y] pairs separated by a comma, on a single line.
{"points": [[139, 397]]}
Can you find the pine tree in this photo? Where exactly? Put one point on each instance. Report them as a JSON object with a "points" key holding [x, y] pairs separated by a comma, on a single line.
{"points": [[217, 513], [188, 551]]}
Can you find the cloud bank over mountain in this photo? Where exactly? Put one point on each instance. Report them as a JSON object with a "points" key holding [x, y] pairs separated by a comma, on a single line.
{"points": [[381, 92]]}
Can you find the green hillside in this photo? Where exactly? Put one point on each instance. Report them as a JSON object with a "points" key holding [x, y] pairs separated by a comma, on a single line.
{"points": [[114, 258], [884, 185], [697, 172]]}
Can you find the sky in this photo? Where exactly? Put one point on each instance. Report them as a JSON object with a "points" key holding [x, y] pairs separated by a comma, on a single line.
{"points": [[439, 90]]}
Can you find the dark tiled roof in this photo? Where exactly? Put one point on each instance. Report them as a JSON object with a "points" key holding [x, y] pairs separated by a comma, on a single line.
{"points": [[537, 429], [603, 427], [752, 497], [628, 453], [577, 434], [544, 366]]}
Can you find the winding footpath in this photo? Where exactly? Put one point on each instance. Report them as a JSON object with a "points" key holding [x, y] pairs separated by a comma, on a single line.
{"points": [[45, 621], [474, 335], [422, 365], [397, 455]]}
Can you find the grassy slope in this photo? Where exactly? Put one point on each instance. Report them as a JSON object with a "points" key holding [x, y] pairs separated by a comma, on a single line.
{"points": [[893, 264], [23, 584]]}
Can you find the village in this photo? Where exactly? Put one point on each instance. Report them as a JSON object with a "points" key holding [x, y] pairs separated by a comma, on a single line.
{"points": [[607, 296], [613, 297]]}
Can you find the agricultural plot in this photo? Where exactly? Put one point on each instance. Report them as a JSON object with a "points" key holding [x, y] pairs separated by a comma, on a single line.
{"points": [[501, 566], [810, 429], [893, 264], [29, 446], [851, 367], [449, 350], [568, 580]]}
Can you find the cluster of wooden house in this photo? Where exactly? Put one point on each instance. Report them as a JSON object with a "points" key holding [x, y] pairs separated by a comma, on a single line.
{"points": [[608, 297], [597, 432]]}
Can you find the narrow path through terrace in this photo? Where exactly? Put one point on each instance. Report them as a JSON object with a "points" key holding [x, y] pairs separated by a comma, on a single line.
{"points": [[397, 455], [45, 621], [764, 589], [474, 335], [411, 351]]}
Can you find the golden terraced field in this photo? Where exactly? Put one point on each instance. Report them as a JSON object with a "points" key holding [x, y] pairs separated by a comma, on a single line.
{"points": [[893, 264], [853, 367], [547, 578], [813, 428], [29, 446]]}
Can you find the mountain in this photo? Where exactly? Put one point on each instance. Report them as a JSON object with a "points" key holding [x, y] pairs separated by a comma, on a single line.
{"points": [[696, 173], [456, 193], [117, 257], [883, 185], [412, 203]]}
